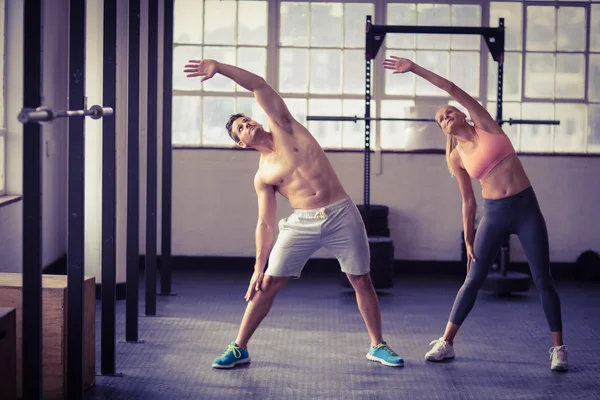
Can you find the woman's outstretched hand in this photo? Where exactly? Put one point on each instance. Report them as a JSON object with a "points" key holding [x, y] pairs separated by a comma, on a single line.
{"points": [[398, 65]]}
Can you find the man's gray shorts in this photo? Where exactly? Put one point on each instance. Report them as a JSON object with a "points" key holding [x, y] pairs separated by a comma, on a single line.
{"points": [[337, 227]]}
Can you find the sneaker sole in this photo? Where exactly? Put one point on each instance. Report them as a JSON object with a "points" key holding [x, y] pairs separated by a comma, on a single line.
{"points": [[431, 358], [373, 358], [560, 369], [244, 361]]}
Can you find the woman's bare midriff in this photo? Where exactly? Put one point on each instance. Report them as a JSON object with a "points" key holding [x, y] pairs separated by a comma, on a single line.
{"points": [[505, 179]]}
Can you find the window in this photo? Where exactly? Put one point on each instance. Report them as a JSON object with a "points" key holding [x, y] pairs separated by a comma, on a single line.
{"points": [[408, 96], [312, 53], [234, 32], [322, 66], [547, 75], [2, 101]]}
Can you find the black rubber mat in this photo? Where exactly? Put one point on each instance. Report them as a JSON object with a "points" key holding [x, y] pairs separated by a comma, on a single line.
{"points": [[313, 344]]}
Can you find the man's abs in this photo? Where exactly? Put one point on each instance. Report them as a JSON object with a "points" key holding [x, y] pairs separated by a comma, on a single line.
{"points": [[303, 175]]}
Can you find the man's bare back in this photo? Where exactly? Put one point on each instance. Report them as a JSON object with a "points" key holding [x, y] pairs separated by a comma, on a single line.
{"points": [[299, 169]]}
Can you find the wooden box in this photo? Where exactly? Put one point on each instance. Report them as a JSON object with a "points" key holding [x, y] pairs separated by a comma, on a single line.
{"points": [[54, 330], [8, 353]]}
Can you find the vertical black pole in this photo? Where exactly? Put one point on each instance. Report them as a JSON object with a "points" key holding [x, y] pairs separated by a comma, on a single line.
{"points": [[133, 168], [151, 190], [367, 170], [75, 240], [167, 153], [109, 187], [32, 205], [504, 250]]}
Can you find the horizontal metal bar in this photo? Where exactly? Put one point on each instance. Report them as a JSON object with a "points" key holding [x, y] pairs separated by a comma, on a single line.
{"points": [[454, 30], [511, 121], [355, 118], [45, 114]]}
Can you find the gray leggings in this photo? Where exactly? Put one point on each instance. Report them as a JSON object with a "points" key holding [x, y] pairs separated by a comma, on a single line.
{"points": [[518, 214]]}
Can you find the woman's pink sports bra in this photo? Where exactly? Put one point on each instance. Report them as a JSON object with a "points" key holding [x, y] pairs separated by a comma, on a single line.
{"points": [[491, 149]]}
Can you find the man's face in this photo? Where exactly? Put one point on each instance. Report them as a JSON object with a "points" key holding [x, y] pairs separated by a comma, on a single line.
{"points": [[247, 130]]}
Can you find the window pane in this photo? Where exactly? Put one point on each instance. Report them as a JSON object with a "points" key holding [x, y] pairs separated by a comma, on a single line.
{"points": [[410, 135], [435, 61], [569, 136], [253, 59], [403, 84], [595, 28], [433, 15], [294, 24], [570, 76], [293, 70], [539, 75], [327, 133], [355, 17], [181, 56], [353, 133], [594, 78], [187, 21], [325, 71], [511, 84], [571, 29], [219, 22], [466, 78], [401, 14], [354, 71], [513, 21], [509, 110], [297, 108], [541, 28], [220, 83], [594, 135], [250, 108], [216, 112], [186, 120], [466, 15], [252, 23], [537, 138], [326, 24]]}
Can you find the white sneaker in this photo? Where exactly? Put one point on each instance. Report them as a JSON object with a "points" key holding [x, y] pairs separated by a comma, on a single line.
{"points": [[558, 355], [441, 350]]}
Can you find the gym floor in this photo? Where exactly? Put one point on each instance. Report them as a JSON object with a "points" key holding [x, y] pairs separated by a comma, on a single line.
{"points": [[313, 344]]}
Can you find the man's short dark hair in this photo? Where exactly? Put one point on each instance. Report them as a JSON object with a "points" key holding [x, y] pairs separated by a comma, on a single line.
{"points": [[229, 126]]}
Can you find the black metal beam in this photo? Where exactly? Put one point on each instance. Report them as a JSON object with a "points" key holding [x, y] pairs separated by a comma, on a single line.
{"points": [[109, 188], [45, 114], [494, 37], [133, 170], [32, 205], [75, 200], [167, 151], [151, 170], [367, 149]]}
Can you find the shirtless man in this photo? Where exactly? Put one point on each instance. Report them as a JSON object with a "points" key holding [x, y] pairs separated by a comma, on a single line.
{"points": [[293, 163]]}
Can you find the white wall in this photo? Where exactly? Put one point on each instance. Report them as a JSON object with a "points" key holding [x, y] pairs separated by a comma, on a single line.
{"points": [[214, 204]]}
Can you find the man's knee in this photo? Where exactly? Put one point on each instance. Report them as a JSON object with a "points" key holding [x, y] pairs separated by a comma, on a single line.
{"points": [[360, 282], [272, 284]]}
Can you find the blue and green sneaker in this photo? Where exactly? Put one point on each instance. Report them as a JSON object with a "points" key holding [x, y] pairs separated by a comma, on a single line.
{"points": [[233, 356], [384, 354]]}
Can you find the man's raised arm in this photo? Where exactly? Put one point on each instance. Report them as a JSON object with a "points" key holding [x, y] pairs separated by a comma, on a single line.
{"points": [[270, 101]]}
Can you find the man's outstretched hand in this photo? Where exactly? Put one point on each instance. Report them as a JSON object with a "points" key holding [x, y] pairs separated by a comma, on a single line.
{"points": [[204, 68]]}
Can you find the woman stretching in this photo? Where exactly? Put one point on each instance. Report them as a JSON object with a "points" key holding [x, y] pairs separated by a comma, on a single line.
{"points": [[484, 152]]}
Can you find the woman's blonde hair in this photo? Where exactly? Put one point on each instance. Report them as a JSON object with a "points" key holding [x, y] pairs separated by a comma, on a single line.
{"points": [[450, 141], [450, 145]]}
